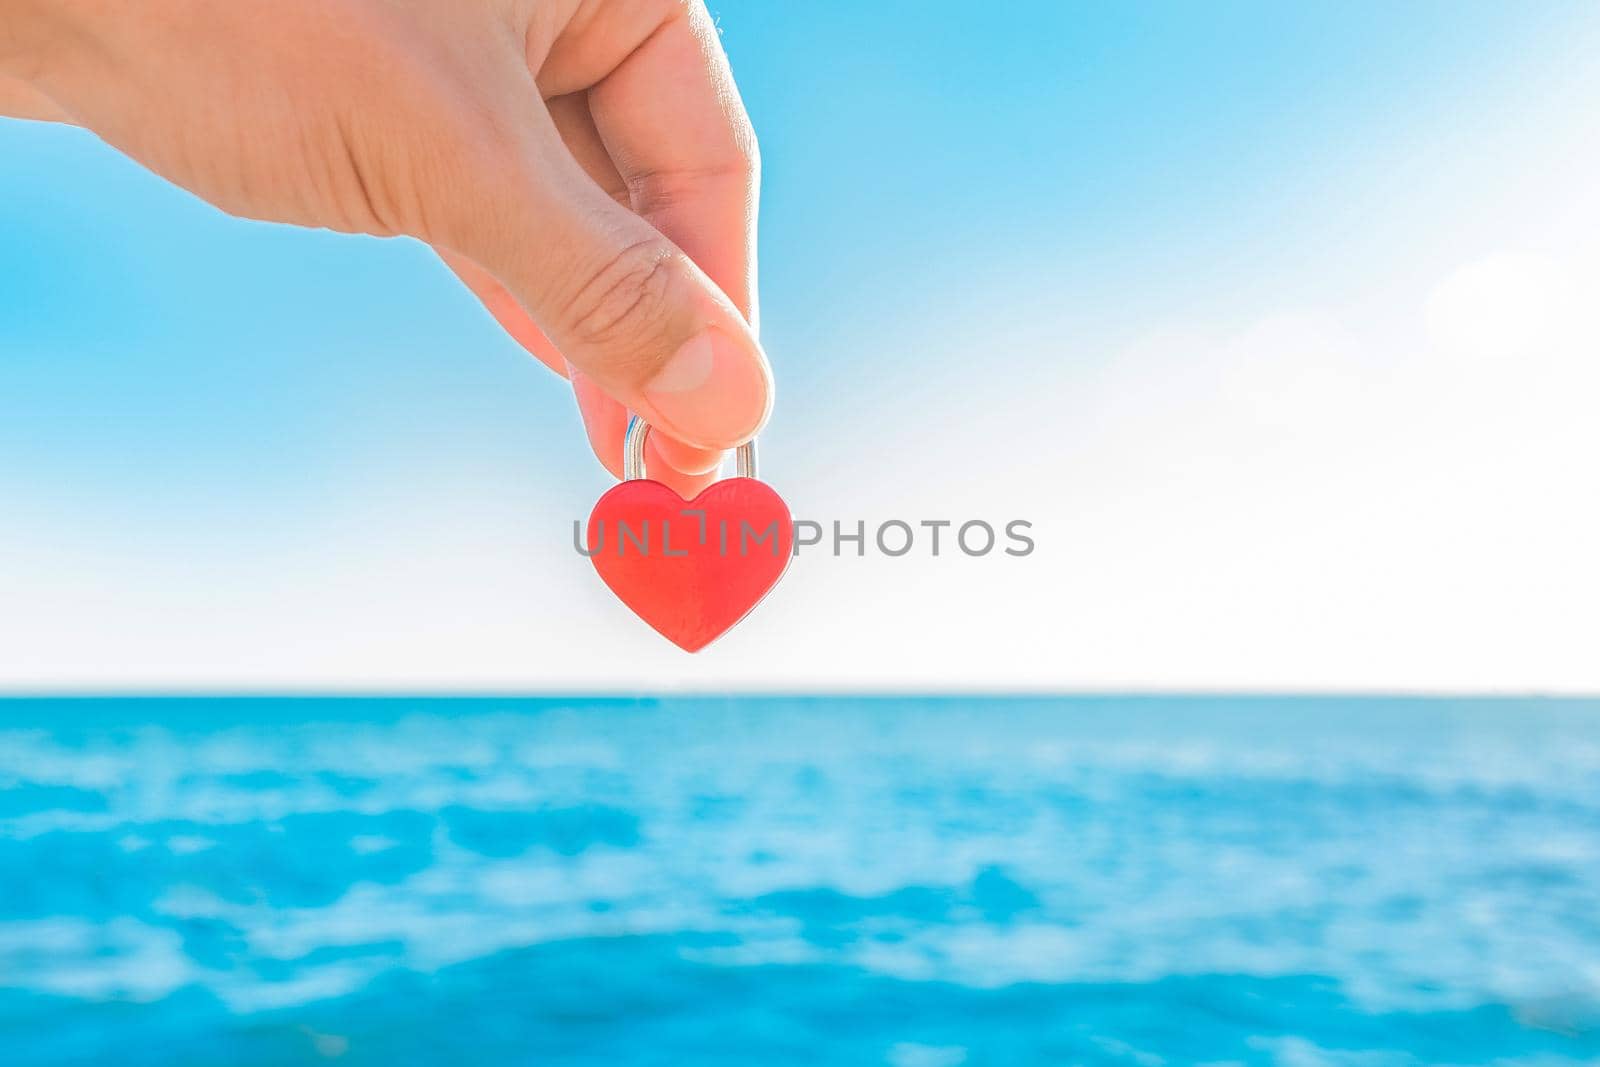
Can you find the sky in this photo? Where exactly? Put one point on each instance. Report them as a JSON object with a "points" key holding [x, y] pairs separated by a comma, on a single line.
{"points": [[1278, 323]]}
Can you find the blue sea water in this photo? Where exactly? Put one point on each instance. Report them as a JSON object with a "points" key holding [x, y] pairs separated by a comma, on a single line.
{"points": [[909, 882]]}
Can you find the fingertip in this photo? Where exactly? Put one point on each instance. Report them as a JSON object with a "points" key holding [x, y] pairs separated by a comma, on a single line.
{"points": [[714, 392], [687, 458], [685, 485]]}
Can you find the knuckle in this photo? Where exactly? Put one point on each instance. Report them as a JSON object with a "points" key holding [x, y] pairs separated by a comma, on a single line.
{"points": [[365, 188], [624, 305], [734, 171], [747, 148]]}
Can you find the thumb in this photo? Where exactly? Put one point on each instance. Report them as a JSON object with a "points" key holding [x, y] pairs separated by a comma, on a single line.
{"points": [[621, 302]]}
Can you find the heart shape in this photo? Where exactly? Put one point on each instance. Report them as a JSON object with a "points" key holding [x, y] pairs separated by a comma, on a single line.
{"points": [[691, 569]]}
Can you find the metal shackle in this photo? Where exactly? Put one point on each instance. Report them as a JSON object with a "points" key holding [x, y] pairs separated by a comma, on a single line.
{"points": [[744, 462]]}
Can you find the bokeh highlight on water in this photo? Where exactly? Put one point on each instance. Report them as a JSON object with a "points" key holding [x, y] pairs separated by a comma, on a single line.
{"points": [[904, 881]]}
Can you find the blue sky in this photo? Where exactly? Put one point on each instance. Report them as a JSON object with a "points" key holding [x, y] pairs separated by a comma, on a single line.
{"points": [[992, 239]]}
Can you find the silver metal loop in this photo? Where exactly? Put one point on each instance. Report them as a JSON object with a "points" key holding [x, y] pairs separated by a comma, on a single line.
{"points": [[744, 460]]}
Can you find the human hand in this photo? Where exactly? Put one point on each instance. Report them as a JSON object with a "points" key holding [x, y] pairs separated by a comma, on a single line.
{"points": [[585, 166]]}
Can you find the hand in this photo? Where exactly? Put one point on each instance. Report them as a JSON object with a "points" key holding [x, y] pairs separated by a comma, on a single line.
{"points": [[585, 166]]}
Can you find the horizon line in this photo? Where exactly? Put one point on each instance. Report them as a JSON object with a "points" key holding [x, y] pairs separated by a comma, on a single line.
{"points": [[68, 694]]}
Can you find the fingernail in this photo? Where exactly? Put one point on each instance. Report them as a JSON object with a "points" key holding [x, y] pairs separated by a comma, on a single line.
{"points": [[713, 392]]}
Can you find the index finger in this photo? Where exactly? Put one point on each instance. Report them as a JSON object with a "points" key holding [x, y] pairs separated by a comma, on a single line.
{"points": [[672, 120]]}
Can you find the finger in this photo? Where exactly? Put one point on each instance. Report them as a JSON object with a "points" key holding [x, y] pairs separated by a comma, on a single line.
{"points": [[688, 458], [619, 300], [672, 121], [571, 117], [600, 414], [576, 125], [606, 422], [699, 185], [685, 484]]}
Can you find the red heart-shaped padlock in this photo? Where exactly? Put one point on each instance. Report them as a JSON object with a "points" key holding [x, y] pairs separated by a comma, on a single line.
{"points": [[691, 569]]}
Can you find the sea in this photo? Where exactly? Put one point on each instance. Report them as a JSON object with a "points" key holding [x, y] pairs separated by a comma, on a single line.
{"points": [[910, 881]]}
